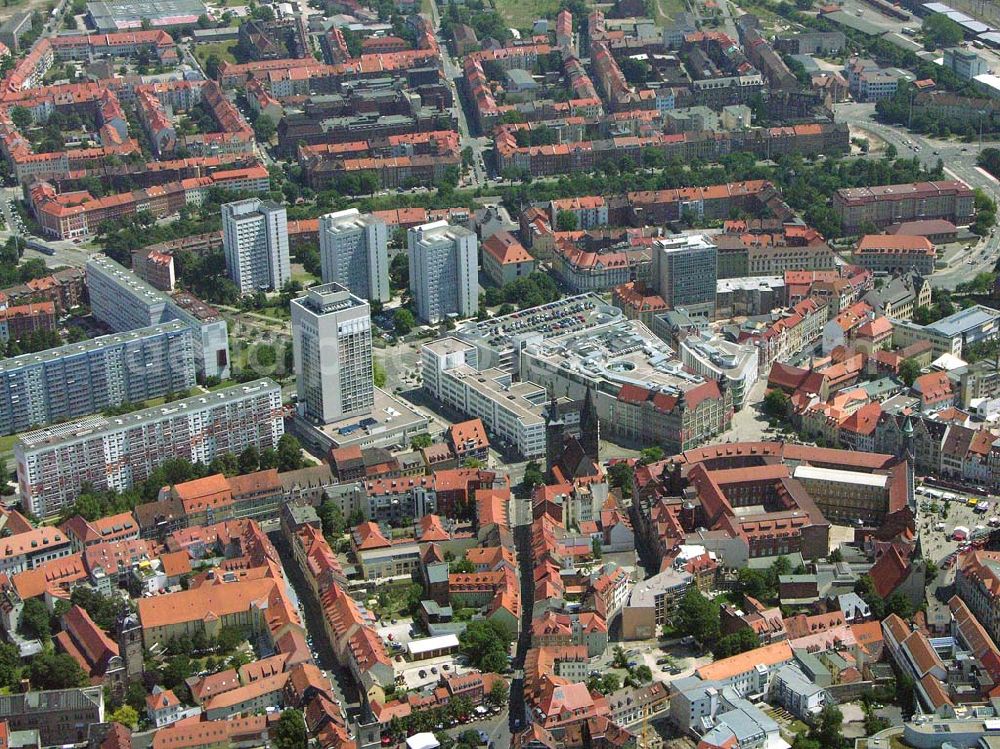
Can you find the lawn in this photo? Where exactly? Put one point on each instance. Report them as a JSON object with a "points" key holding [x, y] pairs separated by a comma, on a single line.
{"points": [[521, 14], [223, 49], [276, 313], [667, 9], [7, 443], [392, 600]]}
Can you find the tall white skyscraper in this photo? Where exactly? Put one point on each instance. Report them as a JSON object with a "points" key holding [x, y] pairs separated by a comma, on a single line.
{"points": [[255, 239], [332, 345], [444, 279], [353, 252]]}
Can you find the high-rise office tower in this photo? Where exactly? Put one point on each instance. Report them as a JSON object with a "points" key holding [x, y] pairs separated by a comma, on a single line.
{"points": [[255, 240], [353, 253], [332, 344], [685, 269], [444, 278]]}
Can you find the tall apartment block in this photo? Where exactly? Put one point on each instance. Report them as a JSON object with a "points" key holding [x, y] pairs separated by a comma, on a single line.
{"points": [[444, 279], [71, 381], [115, 453], [255, 240], [685, 270], [332, 345], [123, 301], [353, 253]]}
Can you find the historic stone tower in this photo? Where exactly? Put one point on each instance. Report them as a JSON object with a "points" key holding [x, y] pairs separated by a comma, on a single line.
{"points": [[555, 435], [130, 646], [590, 427]]}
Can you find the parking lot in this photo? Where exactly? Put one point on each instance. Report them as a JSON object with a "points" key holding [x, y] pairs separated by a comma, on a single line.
{"points": [[398, 632], [431, 669], [668, 660]]}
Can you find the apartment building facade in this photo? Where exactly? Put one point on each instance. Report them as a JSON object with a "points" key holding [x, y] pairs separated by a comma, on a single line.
{"points": [[882, 205], [123, 301], [54, 463], [444, 277], [353, 253], [255, 240], [71, 381]]}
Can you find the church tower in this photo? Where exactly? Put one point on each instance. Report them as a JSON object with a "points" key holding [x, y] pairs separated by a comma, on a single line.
{"points": [[590, 426], [130, 646], [555, 434], [910, 455]]}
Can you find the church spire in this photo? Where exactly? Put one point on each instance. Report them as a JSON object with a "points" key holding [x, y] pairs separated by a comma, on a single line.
{"points": [[590, 426], [555, 434]]}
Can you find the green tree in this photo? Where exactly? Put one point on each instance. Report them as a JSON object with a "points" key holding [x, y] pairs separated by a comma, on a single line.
{"points": [[104, 610], [135, 696], [229, 639], [212, 64], [605, 684], [644, 673], [265, 355], [698, 617], [289, 453], [10, 664], [290, 733], [652, 454], [399, 271], [941, 31], [533, 475], [486, 644], [828, 729], [618, 657], [34, 622], [462, 566], [909, 370], [126, 715], [332, 518], [421, 441], [378, 374], [404, 320], [51, 670], [899, 603], [249, 460], [989, 159], [21, 116], [566, 221], [499, 693], [777, 403], [738, 642], [264, 128], [620, 477], [865, 587]]}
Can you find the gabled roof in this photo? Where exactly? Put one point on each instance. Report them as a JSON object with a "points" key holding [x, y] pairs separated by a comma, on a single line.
{"points": [[889, 572], [87, 643], [369, 536]]}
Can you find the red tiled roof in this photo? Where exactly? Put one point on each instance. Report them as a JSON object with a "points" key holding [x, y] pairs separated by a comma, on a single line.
{"points": [[889, 572]]}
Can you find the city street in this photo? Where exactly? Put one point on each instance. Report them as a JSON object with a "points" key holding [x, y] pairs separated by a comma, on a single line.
{"points": [[959, 158], [453, 73]]}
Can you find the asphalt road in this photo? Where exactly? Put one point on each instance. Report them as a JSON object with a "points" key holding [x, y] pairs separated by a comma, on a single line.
{"points": [[959, 158], [453, 72]]}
